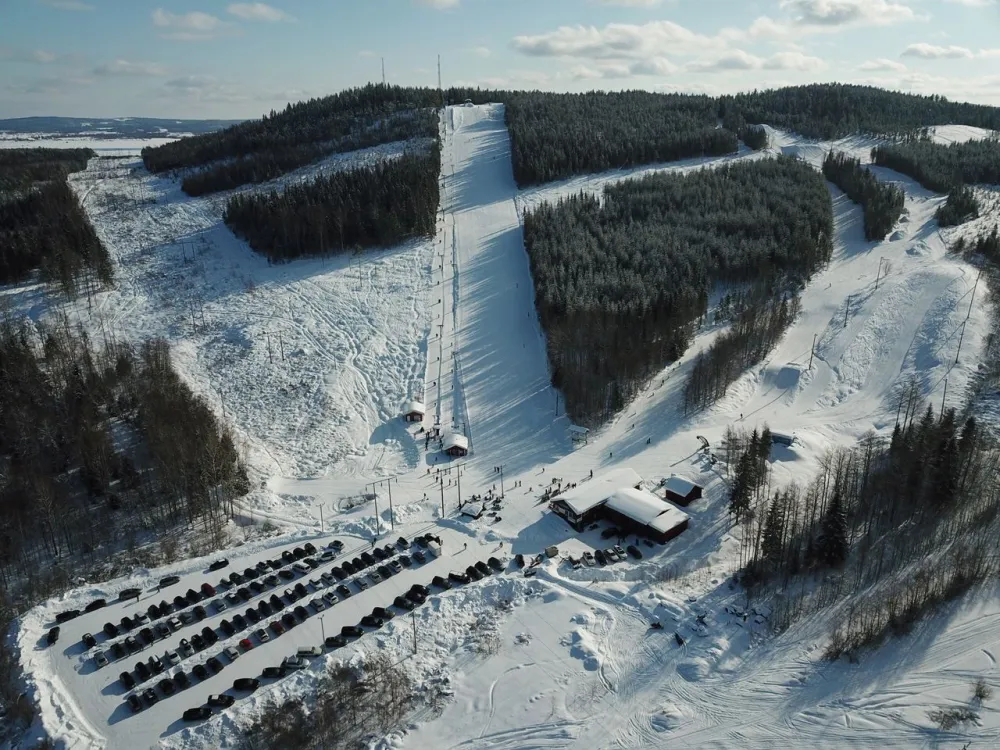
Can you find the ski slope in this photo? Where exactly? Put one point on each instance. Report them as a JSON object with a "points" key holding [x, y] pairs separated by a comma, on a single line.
{"points": [[452, 320]]}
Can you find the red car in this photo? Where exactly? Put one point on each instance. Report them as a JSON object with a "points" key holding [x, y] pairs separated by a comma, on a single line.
{"points": [[245, 644], [277, 628], [208, 589]]}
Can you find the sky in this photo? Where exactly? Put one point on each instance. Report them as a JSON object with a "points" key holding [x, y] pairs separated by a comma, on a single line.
{"points": [[218, 59]]}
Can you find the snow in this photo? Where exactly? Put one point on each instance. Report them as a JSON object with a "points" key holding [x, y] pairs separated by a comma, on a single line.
{"points": [[642, 506], [679, 485], [310, 362], [104, 146]]}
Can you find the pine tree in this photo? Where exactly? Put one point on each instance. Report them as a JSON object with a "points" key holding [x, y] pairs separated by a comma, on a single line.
{"points": [[774, 531], [832, 546]]}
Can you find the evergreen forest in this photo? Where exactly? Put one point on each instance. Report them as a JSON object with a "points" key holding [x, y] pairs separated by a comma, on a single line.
{"points": [[370, 206], [943, 168], [620, 282], [43, 226], [961, 206], [882, 202]]}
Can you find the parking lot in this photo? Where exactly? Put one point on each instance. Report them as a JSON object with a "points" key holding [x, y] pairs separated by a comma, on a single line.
{"points": [[264, 583]]}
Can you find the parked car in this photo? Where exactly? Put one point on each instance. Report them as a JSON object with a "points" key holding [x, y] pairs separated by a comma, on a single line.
{"points": [[351, 631], [126, 623], [52, 636], [165, 608], [244, 593], [271, 580], [147, 635], [599, 556], [227, 627], [288, 620], [294, 662], [167, 686], [328, 578], [403, 603], [483, 568], [169, 581], [298, 553], [221, 700], [362, 582], [219, 564], [273, 672], [619, 551], [290, 595], [142, 669], [588, 559], [193, 597], [382, 613], [261, 567], [301, 612], [94, 605], [317, 583], [187, 617], [100, 659], [416, 597], [185, 647], [68, 615], [495, 564], [232, 599], [257, 587], [236, 579], [458, 577], [199, 612], [286, 574], [300, 589], [153, 610], [610, 532], [336, 545], [262, 635], [317, 604], [132, 645], [246, 684], [634, 551], [310, 548], [134, 703], [240, 622], [379, 553], [118, 650], [420, 557], [127, 680], [155, 664], [197, 714], [610, 555], [251, 573], [275, 564], [335, 641], [209, 635], [395, 566], [150, 696], [182, 680], [252, 615], [214, 664], [374, 576], [110, 630], [198, 642], [263, 608], [348, 567], [162, 629], [288, 557], [231, 653], [327, 555], [474, 574], [276, 603], [171, 658], [300, 567], [368, 559], [441, 583], [307, 651], [89, 641], [343, 591], [179, 603], [384, 571], [312, 562], [199, 671], [370, 621], [219, 605], [405, 560], [329, 598], [276, 627], [174, 624]]}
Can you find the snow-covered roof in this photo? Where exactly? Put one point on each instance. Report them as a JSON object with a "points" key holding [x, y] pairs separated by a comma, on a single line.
{"points": [[679, 485], [669, 519], [639, 505], [414, 406], [577, 430], [455, 440], [590, 494]]}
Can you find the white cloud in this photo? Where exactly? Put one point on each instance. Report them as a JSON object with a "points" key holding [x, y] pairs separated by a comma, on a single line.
{"points": [[193, 26], [56, 85], [15, 54], [204, 88], [827, 16], [973, 3], [480, 51], [76, 5], [740, 60], [439, 4], [927, 51], [614, 41], [258, 12], [128, 68], [882, 64]]}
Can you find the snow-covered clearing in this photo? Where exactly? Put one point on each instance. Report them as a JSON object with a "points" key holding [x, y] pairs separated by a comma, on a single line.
{"points": [[312, 361]]}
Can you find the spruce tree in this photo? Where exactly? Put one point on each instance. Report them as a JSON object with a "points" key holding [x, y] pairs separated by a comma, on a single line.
{"points": [[832, 547]]}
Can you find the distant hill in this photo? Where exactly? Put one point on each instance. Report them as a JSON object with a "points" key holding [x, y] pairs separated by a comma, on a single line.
{"points": [[116, 127]]}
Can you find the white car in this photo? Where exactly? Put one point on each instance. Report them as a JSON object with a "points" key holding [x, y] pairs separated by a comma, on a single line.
{"points": [[231, 652], [262, 635], [100, 659], [174, 623], [172, 658], [327, 555], [316, 583], [301, 567], [309, 651], [293, 662], [185, 647]]}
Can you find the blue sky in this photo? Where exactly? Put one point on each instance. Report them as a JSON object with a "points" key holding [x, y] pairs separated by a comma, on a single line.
{"points": [[210, 58]]}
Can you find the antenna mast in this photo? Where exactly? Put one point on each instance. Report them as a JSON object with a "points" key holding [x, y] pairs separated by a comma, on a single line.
{"points": [[439, 74], [383, 71]]}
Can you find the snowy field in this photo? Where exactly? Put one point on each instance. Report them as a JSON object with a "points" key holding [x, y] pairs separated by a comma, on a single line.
{"points": [[311, 363]]}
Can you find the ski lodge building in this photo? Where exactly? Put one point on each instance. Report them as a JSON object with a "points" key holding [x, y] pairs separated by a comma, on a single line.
{"points": [[413, 411], [456, 445], [618, 497], [681, 491]]}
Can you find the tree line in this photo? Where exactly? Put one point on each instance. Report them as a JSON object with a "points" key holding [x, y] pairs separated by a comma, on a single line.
{"points": [[43, 227], [98, 444], [960, 207], [621, 279], [882, 202], [886, 531], [369, 206], [258, 150], [764, 314], [942, 168]]}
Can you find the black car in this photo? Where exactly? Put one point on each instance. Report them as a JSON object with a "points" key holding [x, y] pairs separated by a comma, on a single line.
{"points": [[275, 564], [147, 635], [261, 566], [126, 623], [244, 593], [214, 664], [610, 532], [150, 696], [335, 641], [301, 590], [351, 631], [339, 572], [276, 627], [182, 680], [53, 635], [288, 557], [343, 591], [94, 605], [301, 613], [180, 602], [273, 672], [118, 650], [251, 573], [246, 683], [110, 630], [143, 670], [199, 671], [132, 645], [368, 559], [474, 574], [298, 553], [348, 567], [361, 583], [68, 615], [131, 593], [227, 627], [167, 686], [483, 568], [197, 714], [169, 581], [199, 612], [379, 553], [221, 701], [420, 557], [599, 556], [276, 604], [286, 574], [403, 603], [310, 548], [271, 580], [209, 635], [421, 589], [416, 597], [165, 608], [134, 703], [382, 613], [311, 562], [384, 571], [219, 564], [236, 579], [155, 664], [256, 587], [263, 608], [198, 642], [458, 577], [405, 560], [252, 615], [89, 641], [240, 622], [153, 611], [291, 596], [420, 540], [370, 621], [288, 620], [390, 550], [519, 559], [162, 629], [403, 543], [441, 583], [495, 564], [634, 551], [193, 597], [127, 680]]}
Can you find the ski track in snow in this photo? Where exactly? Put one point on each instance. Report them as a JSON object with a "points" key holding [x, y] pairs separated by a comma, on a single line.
{"points": [[311, 361]]}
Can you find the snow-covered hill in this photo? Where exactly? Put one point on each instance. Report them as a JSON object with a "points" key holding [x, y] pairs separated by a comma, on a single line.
{"points": [[312, 362]]}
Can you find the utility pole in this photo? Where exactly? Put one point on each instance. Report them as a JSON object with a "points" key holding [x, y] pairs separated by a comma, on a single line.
{"points": [[440, 88], [945, 394], [812, 351], [322, 626], [413, 615], [375, 495], [442, 498], [879, 274], [499, 469], [392, 522], [968, 315], [459, 473], [383, 71], [270, 356], [962, 336], [281, 346], [847, 309]]}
